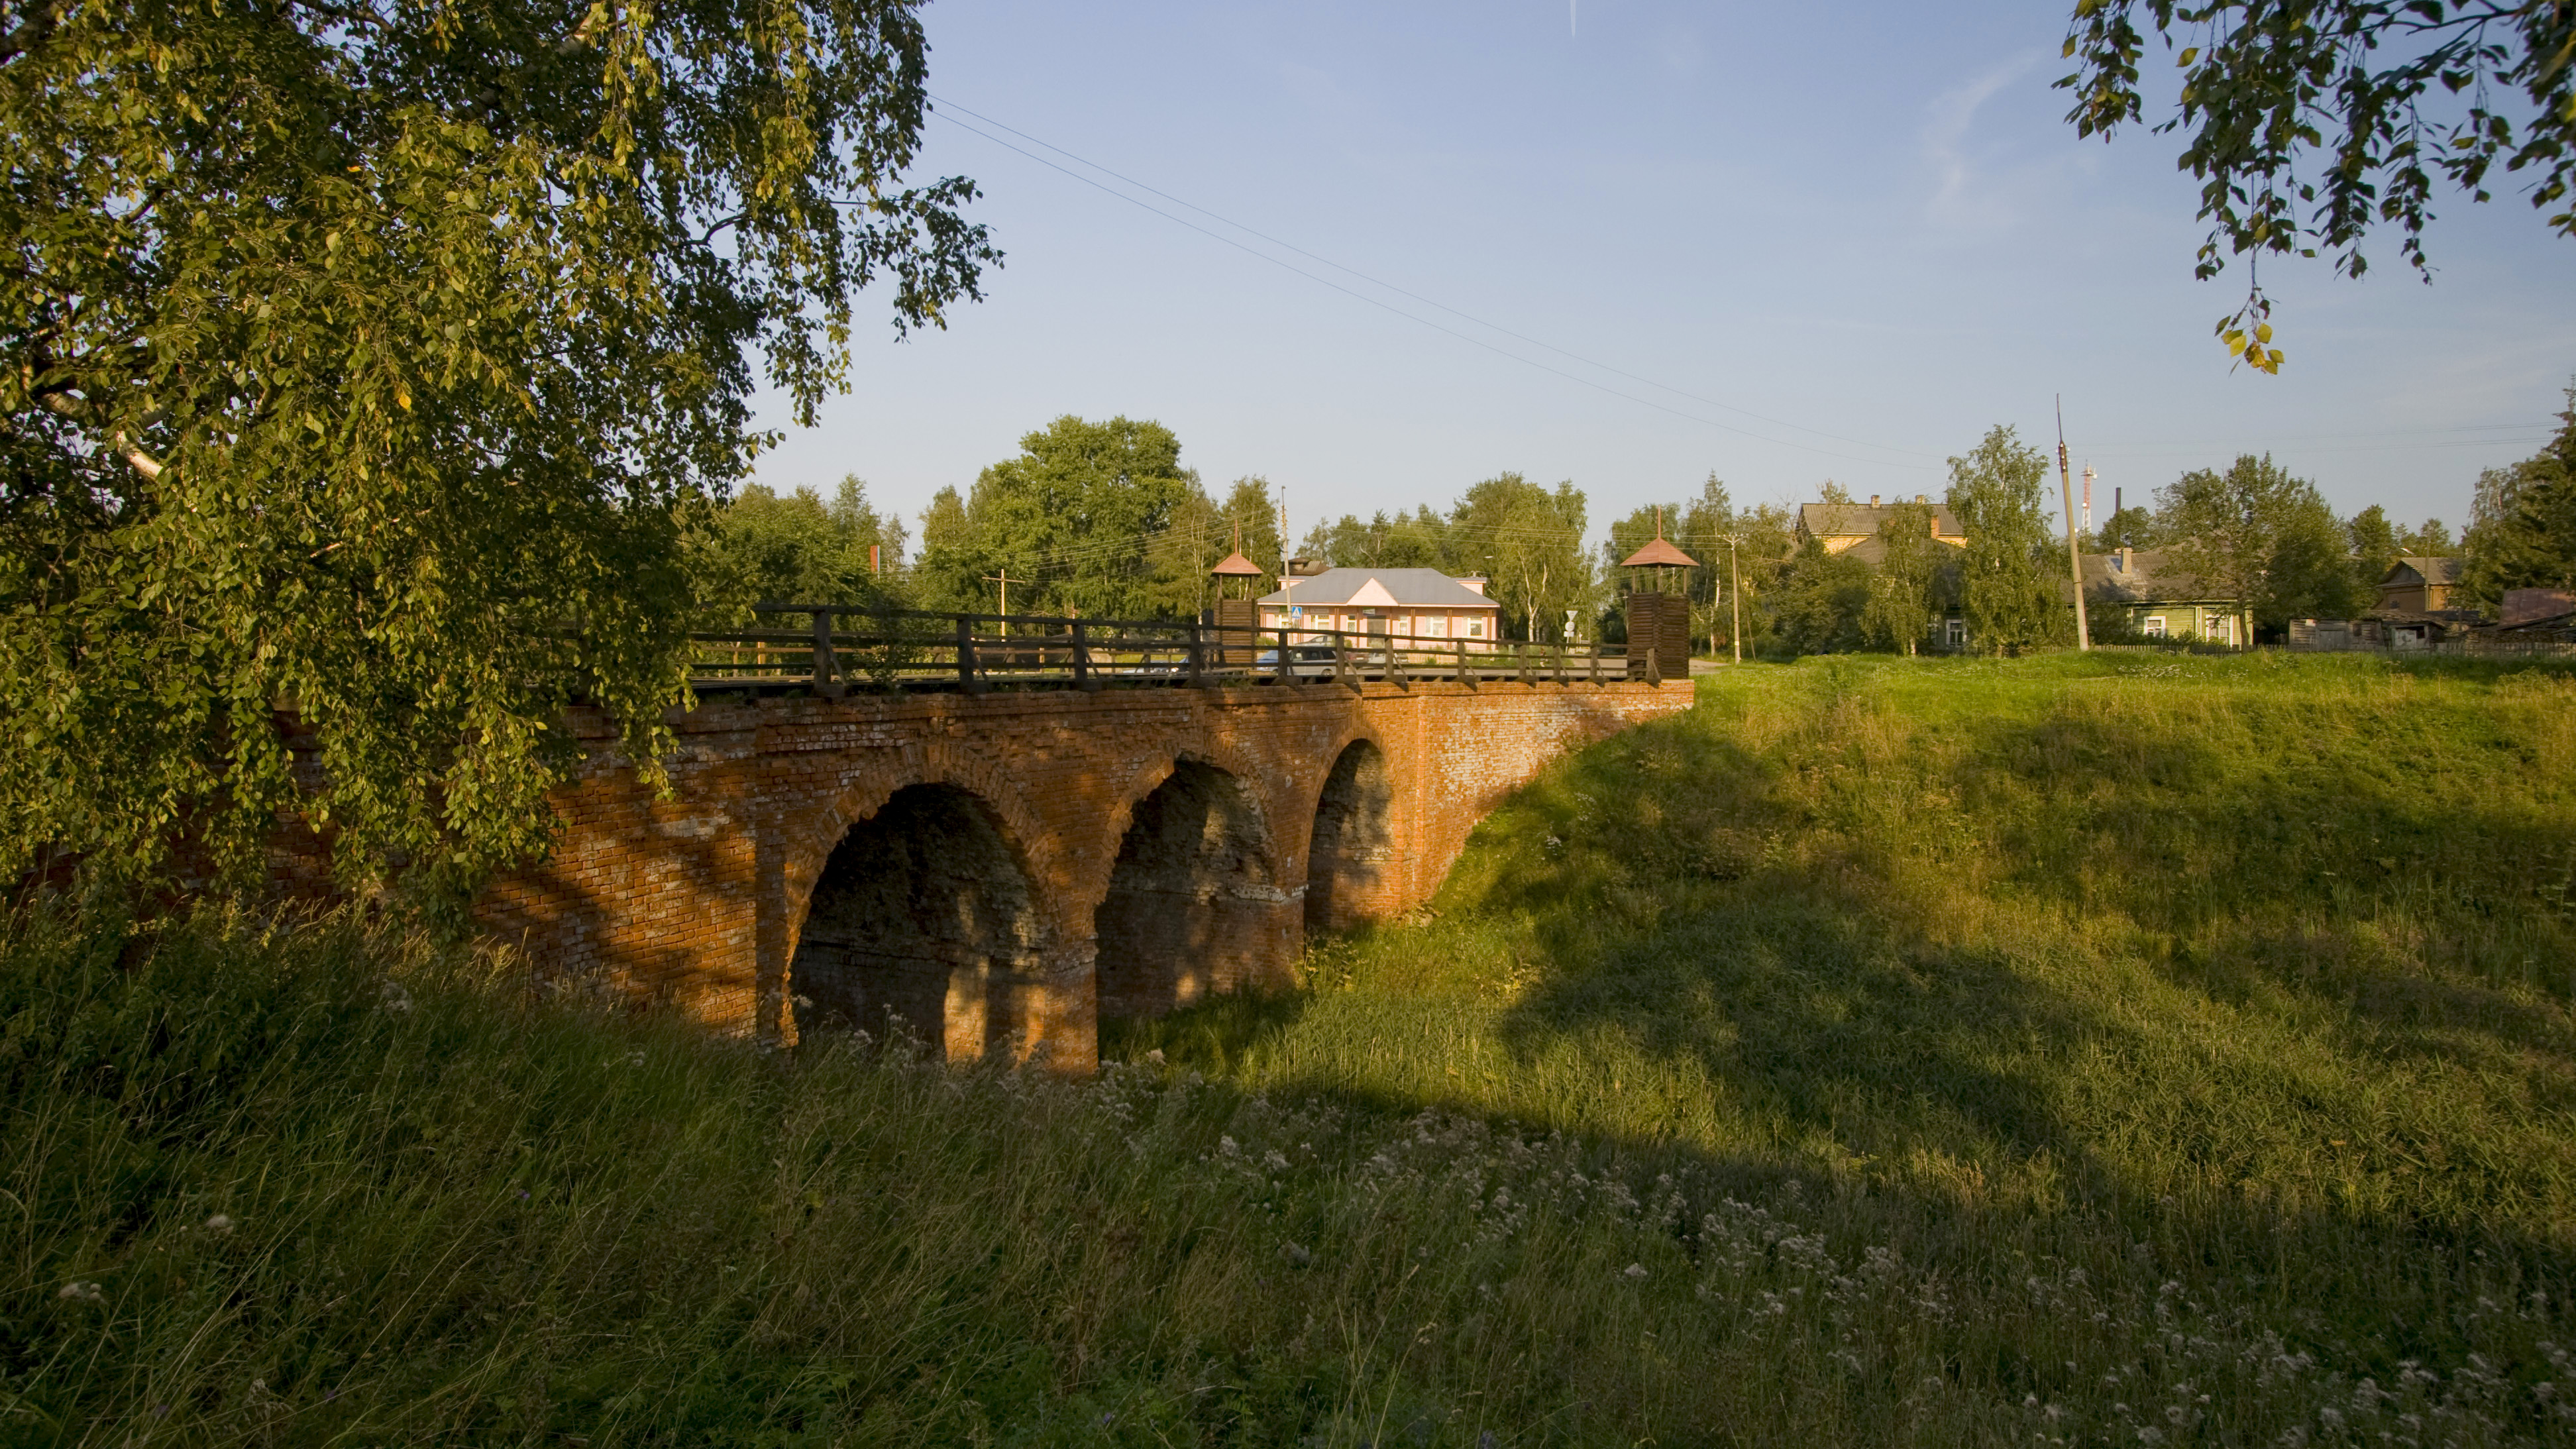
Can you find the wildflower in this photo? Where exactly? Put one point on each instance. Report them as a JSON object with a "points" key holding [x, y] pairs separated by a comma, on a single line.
{"points": [[219, 1223], [394, 999], [804, 1002], [1297, 1257], [1154, 1058], [79, 1292]]}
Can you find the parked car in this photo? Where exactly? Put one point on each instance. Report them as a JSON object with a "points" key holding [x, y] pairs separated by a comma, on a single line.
{"points": [[1305, 661]]}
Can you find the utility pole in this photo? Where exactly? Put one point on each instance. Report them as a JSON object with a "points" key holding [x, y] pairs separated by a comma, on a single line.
{"points": [[1005, 582], [1287, 586], [1735, 582], [2074, 559]]}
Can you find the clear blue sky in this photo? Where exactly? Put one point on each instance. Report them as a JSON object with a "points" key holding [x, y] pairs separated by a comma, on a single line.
{"points": [[1867, 224]]}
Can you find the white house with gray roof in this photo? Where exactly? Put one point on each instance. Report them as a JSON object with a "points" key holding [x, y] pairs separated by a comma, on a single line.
{"points": [[1424, 603]]}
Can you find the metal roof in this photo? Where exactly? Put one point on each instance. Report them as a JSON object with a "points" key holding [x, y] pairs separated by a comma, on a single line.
{"points": [[1395, 588]]}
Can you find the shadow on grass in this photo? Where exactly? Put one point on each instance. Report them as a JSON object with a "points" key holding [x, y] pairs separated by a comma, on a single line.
{"points": [[1214, 1035]]}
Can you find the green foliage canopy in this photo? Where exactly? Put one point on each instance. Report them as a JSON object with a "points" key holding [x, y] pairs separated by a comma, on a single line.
{"points": [[1077, 514], [1530, 539], [2268, 540], [2309, 122], [2522, 534], [1998, 495], [1912, 580], [797, 549], [374, 362]]}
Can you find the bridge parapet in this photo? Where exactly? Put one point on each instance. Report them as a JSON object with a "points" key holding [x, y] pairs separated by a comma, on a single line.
{"points": [[838, 649], [998, 870]]}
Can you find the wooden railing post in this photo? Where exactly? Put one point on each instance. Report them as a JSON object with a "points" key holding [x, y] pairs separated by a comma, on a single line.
{"points": [[966, 677], [1198, 664], [1395, 663], [1464, 677], [1596, 663], [1287, 664], [1342, 659], [827, 684], [1560, 661], [1082, 675], [1520, 658], [1654, 669]]}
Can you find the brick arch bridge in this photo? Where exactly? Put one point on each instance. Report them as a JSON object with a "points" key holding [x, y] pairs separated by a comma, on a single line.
{"points": [[1002, 870]]}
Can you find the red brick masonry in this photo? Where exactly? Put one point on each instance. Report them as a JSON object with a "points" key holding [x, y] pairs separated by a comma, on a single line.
{"points": [[699, 899]]}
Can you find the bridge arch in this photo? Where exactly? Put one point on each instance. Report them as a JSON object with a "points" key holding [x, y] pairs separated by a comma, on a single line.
{"points": [[1193, 905], [1350, 854], [926, 908]]}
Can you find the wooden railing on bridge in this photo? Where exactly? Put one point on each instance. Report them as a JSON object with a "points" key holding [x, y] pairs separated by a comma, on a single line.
{"points": [[840, 648]]}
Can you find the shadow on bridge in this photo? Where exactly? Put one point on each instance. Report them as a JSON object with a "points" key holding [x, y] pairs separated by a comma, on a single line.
{"points": [[923, 912], [1194, 906]]}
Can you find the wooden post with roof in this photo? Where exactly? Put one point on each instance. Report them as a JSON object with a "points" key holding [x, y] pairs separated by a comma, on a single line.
{"points": [[1236, 616], [1658, 609]]}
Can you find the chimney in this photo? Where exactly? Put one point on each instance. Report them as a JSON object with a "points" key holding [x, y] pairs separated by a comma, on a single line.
{"points": [[2124, 558], [1919, 498], [1873, 500]]}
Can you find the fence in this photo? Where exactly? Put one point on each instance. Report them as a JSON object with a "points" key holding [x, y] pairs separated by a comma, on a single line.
{"points": [[888, 650]]}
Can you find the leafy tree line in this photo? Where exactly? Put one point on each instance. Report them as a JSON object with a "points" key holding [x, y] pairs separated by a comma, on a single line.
{"points": [[1092, 518], [2251, 531]]}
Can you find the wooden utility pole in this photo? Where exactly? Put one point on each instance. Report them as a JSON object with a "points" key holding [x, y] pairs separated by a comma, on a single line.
{"points": [[2074, 558], [1005, 582], [1735, 580]]}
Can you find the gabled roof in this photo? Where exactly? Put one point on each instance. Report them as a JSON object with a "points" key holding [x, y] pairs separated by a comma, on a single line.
{"points": [[1236, 566], [1382, 589], [2435, 571], [2152, 577], [1844, 520], [1659, 553]]}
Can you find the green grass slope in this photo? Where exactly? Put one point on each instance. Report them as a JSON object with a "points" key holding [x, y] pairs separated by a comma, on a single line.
{"points": [[2063, 1051]]}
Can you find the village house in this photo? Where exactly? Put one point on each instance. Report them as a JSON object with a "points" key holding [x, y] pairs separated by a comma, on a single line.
{"points": [[1857, 529], [2141, 591], [1844, 527], [2417, 585], [1423, 603]]}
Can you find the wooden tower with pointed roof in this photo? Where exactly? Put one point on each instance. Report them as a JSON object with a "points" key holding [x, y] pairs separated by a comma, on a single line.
{"points": [[1236, 616], [1658, 608]]}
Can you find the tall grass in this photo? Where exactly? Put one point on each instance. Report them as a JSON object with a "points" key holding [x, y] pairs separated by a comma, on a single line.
{"points": [[1813, 1067]]}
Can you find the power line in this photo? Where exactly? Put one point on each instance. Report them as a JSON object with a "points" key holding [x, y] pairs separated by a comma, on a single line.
{"points": [[1429, 301], [1427, 322]]}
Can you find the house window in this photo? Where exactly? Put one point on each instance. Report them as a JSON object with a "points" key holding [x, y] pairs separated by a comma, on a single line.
{"points": [[1958, 633], [1436, 626], [1476, 630], [2155, 626]]}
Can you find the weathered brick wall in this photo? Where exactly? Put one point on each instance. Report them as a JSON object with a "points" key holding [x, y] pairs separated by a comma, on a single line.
{"points": [[699, 900]]}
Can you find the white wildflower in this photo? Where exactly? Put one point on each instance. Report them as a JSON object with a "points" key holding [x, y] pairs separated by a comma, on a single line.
{"points": [[79, 1292], [219, 1223], [394, 998], [1635, 1270]]}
